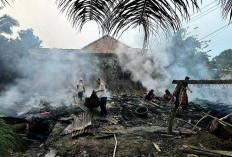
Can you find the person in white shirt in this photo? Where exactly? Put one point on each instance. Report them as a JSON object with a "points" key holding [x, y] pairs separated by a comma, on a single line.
{"points": [[80, 89], [102, 96]]}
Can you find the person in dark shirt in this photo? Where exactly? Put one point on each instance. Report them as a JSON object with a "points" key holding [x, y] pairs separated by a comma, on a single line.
{"points": [[180, 92], [183, 98], [168, 96]]}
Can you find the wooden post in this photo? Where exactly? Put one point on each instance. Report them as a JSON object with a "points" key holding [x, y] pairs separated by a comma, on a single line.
{"points": [[204, 81], [171, 118], [175, 107]]}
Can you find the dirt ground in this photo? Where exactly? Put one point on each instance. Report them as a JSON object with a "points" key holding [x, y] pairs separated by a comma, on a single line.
{"points": [[135, 135]]}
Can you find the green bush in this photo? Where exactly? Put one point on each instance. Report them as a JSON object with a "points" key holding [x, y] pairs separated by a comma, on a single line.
{"points": [[8, 139]]}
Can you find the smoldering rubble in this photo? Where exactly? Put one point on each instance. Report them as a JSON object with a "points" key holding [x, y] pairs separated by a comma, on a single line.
{"points": [[133, 127], [43, 110]]}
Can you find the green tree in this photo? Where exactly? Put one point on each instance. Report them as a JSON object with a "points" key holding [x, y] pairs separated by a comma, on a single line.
{"points": [[7, 23], [14, 51], [119, 15], [223, 60], [188, 52], [28, 39]]}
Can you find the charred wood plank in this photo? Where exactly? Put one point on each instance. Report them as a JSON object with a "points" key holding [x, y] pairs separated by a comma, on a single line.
{"points": [[199, 152], [205, 152], [203, 81], [221, 121]]}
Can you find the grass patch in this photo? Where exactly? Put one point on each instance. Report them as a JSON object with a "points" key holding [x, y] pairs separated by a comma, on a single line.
{"points": [[9, 141]]}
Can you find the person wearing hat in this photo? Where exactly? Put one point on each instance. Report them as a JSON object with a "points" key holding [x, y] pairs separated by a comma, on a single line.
{"points": [[80, 89]]}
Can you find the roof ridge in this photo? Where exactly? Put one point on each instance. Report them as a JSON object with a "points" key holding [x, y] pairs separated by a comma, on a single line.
{"points": [[105, 36]]}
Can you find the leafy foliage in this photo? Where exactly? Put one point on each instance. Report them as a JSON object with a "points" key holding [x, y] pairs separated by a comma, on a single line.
{"points": [[226, 8], [187, 52], [13, 50], [223, 60], [4, 2], [28, 39], [7, 23], [8, 139], [115, 17]]}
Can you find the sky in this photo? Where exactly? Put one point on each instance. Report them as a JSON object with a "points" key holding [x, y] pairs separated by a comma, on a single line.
{"points": [[55, 30]]}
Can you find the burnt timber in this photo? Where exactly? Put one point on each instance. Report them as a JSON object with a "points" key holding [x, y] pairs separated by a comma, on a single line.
{"points": [[203, 81]]}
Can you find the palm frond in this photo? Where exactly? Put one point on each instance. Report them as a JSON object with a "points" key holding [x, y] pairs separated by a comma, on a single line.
{"points": [[4, 2], [115, 17], [226, 8], [81, 11], [151, 15]]}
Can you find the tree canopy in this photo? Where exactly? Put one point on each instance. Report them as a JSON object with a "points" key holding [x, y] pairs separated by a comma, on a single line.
{"points": [[7, 23], [115, 17], [13, 50], [188, 53], [224, 60], [28, 39]]}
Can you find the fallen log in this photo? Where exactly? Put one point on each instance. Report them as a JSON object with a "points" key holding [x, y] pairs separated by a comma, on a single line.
{"points": [[221, 121], [203, 81], [199, 152], [221, 131], [226, 117], [205, 151]]}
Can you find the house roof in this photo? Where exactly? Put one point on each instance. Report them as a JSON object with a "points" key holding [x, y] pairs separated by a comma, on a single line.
{"points": [[103, 46], [107, 44]]}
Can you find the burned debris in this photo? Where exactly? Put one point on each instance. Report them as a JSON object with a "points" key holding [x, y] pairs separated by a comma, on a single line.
{"points": [[140, 127], [136, 123]]}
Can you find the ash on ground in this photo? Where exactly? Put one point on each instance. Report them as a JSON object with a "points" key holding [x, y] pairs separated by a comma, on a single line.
{"points": [[74, 130]]}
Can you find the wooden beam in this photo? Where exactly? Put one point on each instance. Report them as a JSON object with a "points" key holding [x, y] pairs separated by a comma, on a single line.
{"points": [[204, 81]]}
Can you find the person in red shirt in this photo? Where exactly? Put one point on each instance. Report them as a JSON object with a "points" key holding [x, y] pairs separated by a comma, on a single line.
{"points": [[150, 95]]}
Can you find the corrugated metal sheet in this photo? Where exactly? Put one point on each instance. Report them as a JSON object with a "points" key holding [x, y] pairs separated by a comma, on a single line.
{"points": [[82, 124]]}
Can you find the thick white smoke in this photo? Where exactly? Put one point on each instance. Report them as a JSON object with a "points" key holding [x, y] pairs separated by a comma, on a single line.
{"points": [[148, 68], [158, 67], [50, 76]]}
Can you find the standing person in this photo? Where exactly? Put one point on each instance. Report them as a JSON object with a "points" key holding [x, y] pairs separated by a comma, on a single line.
{"points": [[102, 96], [181, 93], [80, 89], [183, 98]]}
